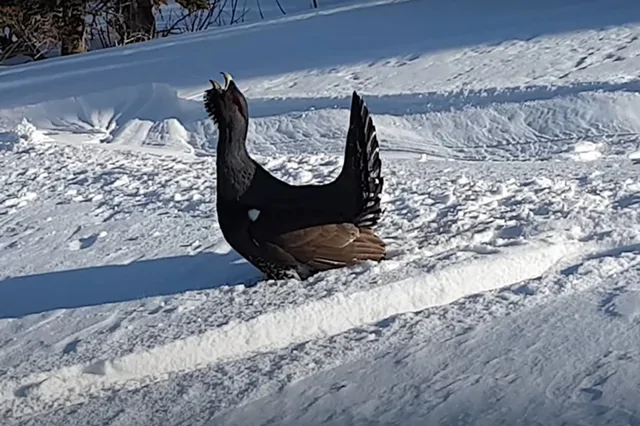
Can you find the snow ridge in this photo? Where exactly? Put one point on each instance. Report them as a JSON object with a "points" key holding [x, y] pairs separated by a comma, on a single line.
{"points": [[321, 318]]}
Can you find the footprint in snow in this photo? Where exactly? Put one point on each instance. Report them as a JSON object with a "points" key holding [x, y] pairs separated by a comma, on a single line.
{"points": [[98, 368], [84, 242], [71, 347], [25, 390]]}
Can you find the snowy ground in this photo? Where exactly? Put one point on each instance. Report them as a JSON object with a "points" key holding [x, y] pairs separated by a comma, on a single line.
{"points": [[512, 211]]}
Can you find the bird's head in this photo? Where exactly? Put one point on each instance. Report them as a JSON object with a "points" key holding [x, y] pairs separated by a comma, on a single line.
{"points": [[226, 105]]}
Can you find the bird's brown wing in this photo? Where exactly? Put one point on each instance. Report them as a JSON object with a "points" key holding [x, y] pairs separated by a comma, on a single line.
{"points": [[330, 246]]}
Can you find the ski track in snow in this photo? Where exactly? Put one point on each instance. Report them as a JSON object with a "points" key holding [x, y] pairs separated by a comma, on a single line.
{"points": [[511, 203]]}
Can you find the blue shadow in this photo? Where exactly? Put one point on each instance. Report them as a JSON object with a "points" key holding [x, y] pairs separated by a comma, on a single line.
{"points": [[32, 294]]}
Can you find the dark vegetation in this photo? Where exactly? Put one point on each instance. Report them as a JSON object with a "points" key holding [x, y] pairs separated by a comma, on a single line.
{"points": [[32, 30]]}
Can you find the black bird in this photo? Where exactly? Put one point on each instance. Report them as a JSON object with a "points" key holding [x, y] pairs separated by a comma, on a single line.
{"points": [[295, 231]]}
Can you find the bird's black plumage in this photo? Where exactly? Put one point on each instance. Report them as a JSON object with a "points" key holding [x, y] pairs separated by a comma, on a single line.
{"points": [[295, 230]]}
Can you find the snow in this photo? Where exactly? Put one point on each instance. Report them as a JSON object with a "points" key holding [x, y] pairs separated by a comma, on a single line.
{"points": [[508, 135]]}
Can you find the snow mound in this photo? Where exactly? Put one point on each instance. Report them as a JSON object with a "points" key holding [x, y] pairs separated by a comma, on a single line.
{"points": [[143, 116], [488, 125]]}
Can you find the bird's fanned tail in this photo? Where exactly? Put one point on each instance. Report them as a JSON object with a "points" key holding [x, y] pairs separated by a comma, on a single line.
{"points": [[362, 143]]}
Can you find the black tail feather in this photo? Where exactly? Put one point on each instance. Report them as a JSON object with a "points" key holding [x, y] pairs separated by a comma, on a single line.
{"points": [[367, 162]]}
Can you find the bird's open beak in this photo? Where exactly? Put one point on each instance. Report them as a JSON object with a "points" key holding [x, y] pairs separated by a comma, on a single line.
{"points": [[227, 81]]}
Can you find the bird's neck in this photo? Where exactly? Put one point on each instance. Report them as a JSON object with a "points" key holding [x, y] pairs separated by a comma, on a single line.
{"points": [[235, 166]]}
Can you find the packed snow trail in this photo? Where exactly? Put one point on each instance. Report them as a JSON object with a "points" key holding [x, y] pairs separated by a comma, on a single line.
{"points": [[275, 330], [564, 359]]}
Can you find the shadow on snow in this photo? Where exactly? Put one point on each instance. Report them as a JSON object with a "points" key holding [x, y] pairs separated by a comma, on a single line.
{"points": [[20, 296]]}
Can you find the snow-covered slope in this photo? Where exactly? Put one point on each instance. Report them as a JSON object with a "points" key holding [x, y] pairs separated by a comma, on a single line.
{"points": [[511, 212]]}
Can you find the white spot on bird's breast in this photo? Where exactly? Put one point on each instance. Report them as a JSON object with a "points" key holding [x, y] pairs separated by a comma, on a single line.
{"points": [[253, 214]]}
